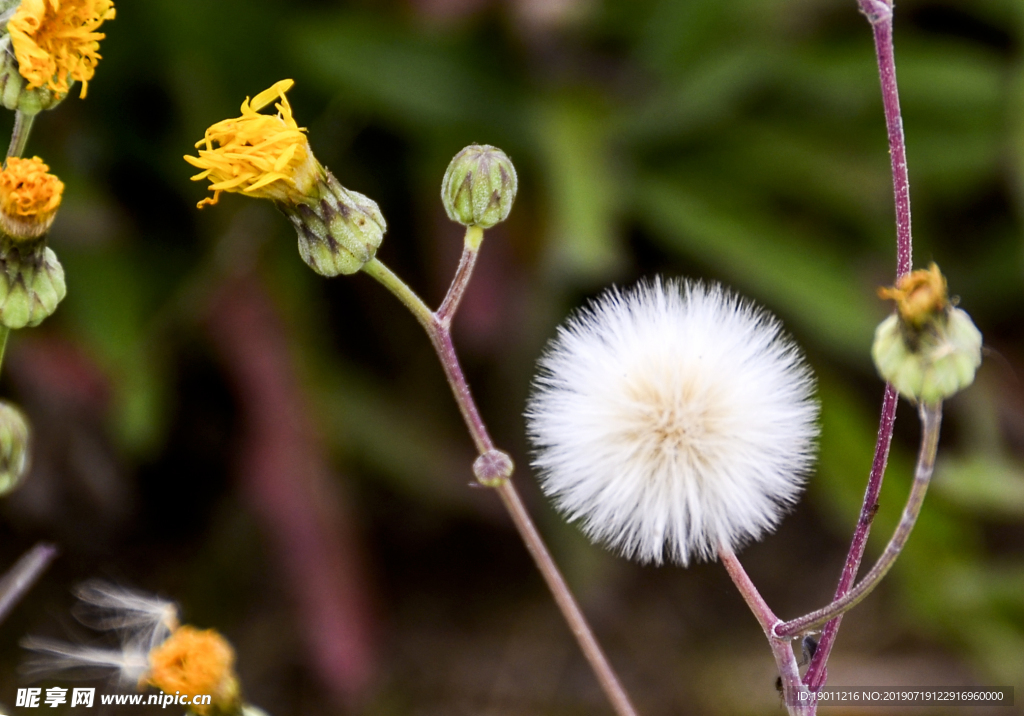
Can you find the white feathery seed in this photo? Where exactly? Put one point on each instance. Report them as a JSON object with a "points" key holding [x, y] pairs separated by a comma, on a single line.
{"points": [[142, 622], [137, 616], [57, 658], [673, 419]]}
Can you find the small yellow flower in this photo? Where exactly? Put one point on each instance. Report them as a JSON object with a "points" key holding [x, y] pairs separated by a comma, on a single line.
{"points": [[56, 41], [261, 155], [29, 197], [196, 661]]}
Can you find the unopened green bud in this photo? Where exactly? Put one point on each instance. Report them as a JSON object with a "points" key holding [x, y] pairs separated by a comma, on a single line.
{"points": [[928, 349], [14, 451], [479, 186], [339, 230], [31, 283]]}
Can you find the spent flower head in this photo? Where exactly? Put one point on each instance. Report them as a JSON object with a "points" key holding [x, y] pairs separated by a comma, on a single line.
{"points": [[56, 42], [928, 349], [267, 156], [673, 419]]}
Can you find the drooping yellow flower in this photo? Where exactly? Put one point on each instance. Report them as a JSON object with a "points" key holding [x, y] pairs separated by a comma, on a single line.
{"points": [[195, 661], [29, 197], [261, 155], [56, 41]]}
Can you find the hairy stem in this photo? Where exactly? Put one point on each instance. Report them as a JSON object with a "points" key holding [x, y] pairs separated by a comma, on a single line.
{"points": [[931, 420], [19, 135], [438, 328], [782, 648], [880, 15]]}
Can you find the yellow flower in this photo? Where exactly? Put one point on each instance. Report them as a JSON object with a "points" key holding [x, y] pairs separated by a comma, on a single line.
{"points": [[29, 197], [261, 155], [195, 661], [56, 41]]}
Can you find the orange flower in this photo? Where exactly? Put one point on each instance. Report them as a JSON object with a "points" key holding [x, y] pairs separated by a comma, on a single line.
{"points": [[195, 661], [29, 197], [56, 41]]}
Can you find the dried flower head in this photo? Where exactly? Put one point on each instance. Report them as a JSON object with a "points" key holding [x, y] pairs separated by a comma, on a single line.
{"points": [[29, 198], [919, 295], [929, 350], [56, 41], [261, 155], [671, 420], [195, 661]]}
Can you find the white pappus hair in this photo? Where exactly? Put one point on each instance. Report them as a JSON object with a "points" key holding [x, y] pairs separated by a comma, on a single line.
{"points": [[141, 621], [673, 419]]}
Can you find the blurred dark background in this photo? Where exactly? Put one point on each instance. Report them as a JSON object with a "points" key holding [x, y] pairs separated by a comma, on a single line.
{"points": [[279, 452]]}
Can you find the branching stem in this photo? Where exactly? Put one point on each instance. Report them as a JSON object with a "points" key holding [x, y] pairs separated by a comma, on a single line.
{"points": [[438, 328], [931, 420]]}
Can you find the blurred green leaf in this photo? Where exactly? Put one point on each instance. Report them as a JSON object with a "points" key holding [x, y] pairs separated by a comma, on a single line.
{"points": [[582, 189], [795, 274], [986, 485]]}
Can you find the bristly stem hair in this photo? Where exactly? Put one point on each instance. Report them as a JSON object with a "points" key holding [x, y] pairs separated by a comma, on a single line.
{"points": [[438, 327]]}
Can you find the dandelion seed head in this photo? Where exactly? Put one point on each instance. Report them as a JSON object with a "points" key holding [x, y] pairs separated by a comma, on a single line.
{"points": [[672, 419]]}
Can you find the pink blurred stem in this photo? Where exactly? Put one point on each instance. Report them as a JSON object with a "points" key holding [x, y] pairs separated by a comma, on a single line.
{"points": [[879, 14], [285, 477], [23, 575]]}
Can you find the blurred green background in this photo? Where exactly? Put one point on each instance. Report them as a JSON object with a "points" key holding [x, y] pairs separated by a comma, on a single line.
{"points": [[280, 454]]}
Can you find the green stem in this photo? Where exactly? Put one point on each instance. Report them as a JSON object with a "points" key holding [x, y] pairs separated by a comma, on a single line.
{"points": [[402, 292], [19, 135], [5, 332], [931, 419]]}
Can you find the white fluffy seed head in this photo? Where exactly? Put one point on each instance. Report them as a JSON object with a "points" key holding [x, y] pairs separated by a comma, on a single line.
{"points": [[673, 419]]}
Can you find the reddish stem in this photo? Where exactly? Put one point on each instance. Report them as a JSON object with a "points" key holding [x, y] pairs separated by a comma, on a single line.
{"points": [[879, 14]]}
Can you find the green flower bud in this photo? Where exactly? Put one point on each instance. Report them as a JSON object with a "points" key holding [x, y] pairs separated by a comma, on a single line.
{"points": [[339, 230], [31, 283], [14, 434], [479, 186], [928, 349]]}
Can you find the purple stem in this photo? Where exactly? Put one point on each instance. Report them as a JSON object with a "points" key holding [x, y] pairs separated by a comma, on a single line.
{"points": [[438, 328], [879, 14], [20, 578], [452, 300], [782, 648]]}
